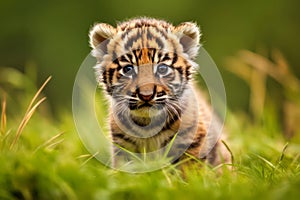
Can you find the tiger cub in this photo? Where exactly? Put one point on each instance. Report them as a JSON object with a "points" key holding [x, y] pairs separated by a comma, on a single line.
{"points": [[145, 66]]}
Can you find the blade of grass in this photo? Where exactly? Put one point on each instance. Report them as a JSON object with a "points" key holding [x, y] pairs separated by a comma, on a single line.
{"points": [[83, 156], [130, 153], [52, 146], [38, 93], [3, 116], [295, 160], [29, 112], [25, 121], [227, 147], [167, 178], [144, 154], [188, 157], [48, 142], [169, 146], [221, 166], [3, 140], [89, 158], [283, 152], [266, 161]]}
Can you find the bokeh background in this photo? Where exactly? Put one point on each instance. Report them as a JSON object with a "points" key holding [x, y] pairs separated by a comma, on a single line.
{"points": [[255, 45], [51, 37]]}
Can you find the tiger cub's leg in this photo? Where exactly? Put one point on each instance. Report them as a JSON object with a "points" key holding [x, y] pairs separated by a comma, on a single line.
{"points": [[219, 155], [204, 152], [122, 145]]}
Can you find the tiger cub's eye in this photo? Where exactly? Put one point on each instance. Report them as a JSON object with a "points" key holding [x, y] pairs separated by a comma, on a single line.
{"points": [[128, 70], [162, 69]]}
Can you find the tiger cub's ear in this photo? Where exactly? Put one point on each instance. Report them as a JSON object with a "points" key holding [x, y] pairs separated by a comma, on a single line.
{"points": [[100, 33], [188, 34]]}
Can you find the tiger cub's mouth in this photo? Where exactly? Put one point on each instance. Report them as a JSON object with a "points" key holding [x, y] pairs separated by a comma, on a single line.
{"points": [[146, 109], [140, 105], [153, 103]]}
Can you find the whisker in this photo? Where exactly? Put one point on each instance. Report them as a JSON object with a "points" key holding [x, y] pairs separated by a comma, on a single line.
{"points": [[122, 97], [132, 98], [160, 98]]}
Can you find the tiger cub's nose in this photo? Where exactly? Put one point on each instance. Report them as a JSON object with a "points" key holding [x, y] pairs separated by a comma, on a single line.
{"points": [[146, 92], [146, 97]]}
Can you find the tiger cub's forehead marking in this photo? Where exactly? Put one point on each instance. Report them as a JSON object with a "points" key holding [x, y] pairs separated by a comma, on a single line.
{"points": [[145, 56], [144, 41]]}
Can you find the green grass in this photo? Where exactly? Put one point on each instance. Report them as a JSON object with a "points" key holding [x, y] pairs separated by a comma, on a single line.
{"points": [[48, 161]]}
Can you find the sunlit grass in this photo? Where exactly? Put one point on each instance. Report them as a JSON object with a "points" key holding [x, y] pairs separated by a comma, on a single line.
{"points": [[48, 161]]}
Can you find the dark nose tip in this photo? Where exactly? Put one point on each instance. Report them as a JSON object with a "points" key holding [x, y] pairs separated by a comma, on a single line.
{"points": [[146, 93], [147, 97]]}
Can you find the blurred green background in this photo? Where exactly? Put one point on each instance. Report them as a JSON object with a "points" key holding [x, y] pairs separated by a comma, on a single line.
{"points": [[43, 38], [51, 37]]}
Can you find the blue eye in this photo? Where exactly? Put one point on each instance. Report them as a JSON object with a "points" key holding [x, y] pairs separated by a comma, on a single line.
{"points": [[162, 69], [128, 70]]}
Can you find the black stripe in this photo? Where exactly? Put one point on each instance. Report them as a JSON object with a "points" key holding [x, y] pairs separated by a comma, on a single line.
{"points": [[166, 57], [153, 54], [104, 78], [139, 24], [109, 90], [140, 54], [175, 58], [119, 76], [163, 33], [111, 72], [179, 69], [159, 56], [130, 58], [116, 61], [118, 135], [150, 53], [197, 141], [181, 75], [123, 35], [149, 35], [187, 73], [131, 40], [136, 57], [175, 161], [159, 42], [161, 93], [186, 130], [123, 137], [123, 59], [172, 118], [129, 43], [119, 67]]}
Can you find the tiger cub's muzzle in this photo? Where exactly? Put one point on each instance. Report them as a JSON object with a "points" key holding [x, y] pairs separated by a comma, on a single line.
{"points": [[146, 92]]}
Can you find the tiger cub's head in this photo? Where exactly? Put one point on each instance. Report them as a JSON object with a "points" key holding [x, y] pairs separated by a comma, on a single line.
{"points": [[145, 63]]}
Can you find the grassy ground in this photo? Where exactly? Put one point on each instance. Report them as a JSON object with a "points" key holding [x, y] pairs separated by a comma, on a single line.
{"points": [[41, 158]]}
